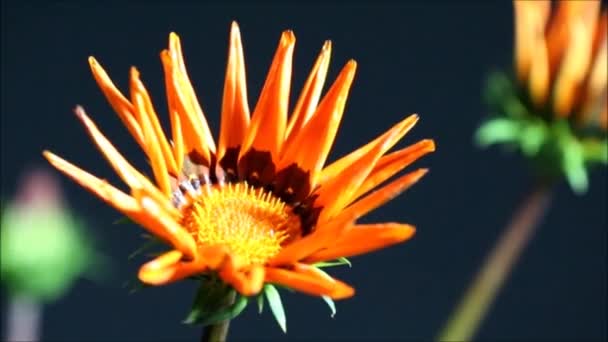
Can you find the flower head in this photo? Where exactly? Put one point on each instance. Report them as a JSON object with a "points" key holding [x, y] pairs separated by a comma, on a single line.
{"points": [[560, 56], [555, 107], [260, 206]]}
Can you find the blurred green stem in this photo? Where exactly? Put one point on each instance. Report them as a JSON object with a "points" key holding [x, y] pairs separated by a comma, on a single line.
{"points": [[23, 319], [219, 331], [465, 320]]}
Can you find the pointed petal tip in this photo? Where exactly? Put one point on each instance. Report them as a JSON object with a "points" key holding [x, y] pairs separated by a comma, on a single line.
{"points": [[134, 73], [173, 40], [235, 33], [234, 26], [352, 64], [48, 155], [288, 37], [80, 112], [326, 46], [52, 158], [418, 174], [408, 123], [92, 61], [343, 291], [407, 232]]}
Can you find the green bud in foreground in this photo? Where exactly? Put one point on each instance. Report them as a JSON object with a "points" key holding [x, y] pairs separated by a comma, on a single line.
{"points": [[43, 249]]}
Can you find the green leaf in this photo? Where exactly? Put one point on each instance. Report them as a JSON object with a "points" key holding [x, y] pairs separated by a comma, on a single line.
{"points": [[135, 285], [211, 304], [146, 246], [574, 167], [260, 300], [338, 262], [331, 304], [276, 306], [497, 130]]}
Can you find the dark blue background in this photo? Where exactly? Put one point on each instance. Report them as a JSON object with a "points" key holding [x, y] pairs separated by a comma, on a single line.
{"points": [[425, 58]]}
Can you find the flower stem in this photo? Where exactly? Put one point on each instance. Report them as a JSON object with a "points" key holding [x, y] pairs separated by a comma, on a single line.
{"points": [[469, 314], [23, 319], [219, 331]]}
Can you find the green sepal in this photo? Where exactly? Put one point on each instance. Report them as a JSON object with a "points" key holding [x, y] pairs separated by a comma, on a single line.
{"points": [[595, 150], [135, 285], [276, 306], [501, 92], [497, 130], [123, 220], [331, 304], [338, 262], [555, 149], [212, 303], [534, 134], [572, 158], [329, 301], [260, 301]]}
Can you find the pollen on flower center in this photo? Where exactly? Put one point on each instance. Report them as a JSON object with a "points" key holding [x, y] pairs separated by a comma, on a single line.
{"points": [[251, 222]]}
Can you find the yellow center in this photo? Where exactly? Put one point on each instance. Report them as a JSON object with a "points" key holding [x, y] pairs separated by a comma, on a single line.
{"points": [[251, 222]]}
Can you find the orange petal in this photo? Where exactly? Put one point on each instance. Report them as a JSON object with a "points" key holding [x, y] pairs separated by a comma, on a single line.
{"points": [[309, 97], [248, 281], [195, 114], [235, 109], [156, 218], [213, 256], [574, 65], [596, 87], [336, 168], [267, 129], [177, 135], [168, 268], [181, 110], [309, 280], [118, 199], [321, 237], [312, 144], [128, 173], [558, 34], [538, 82], [530, 20], [101, 188], [392, 163], [159, 168], [146, 110], [118, 162], [339, 191], [184, 105], [119, 103], [363, 239], [179, 148], [383, 194]]}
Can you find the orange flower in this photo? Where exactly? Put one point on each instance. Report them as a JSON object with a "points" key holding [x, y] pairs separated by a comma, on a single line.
{"points": [[561, 56], [259, 206]]}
